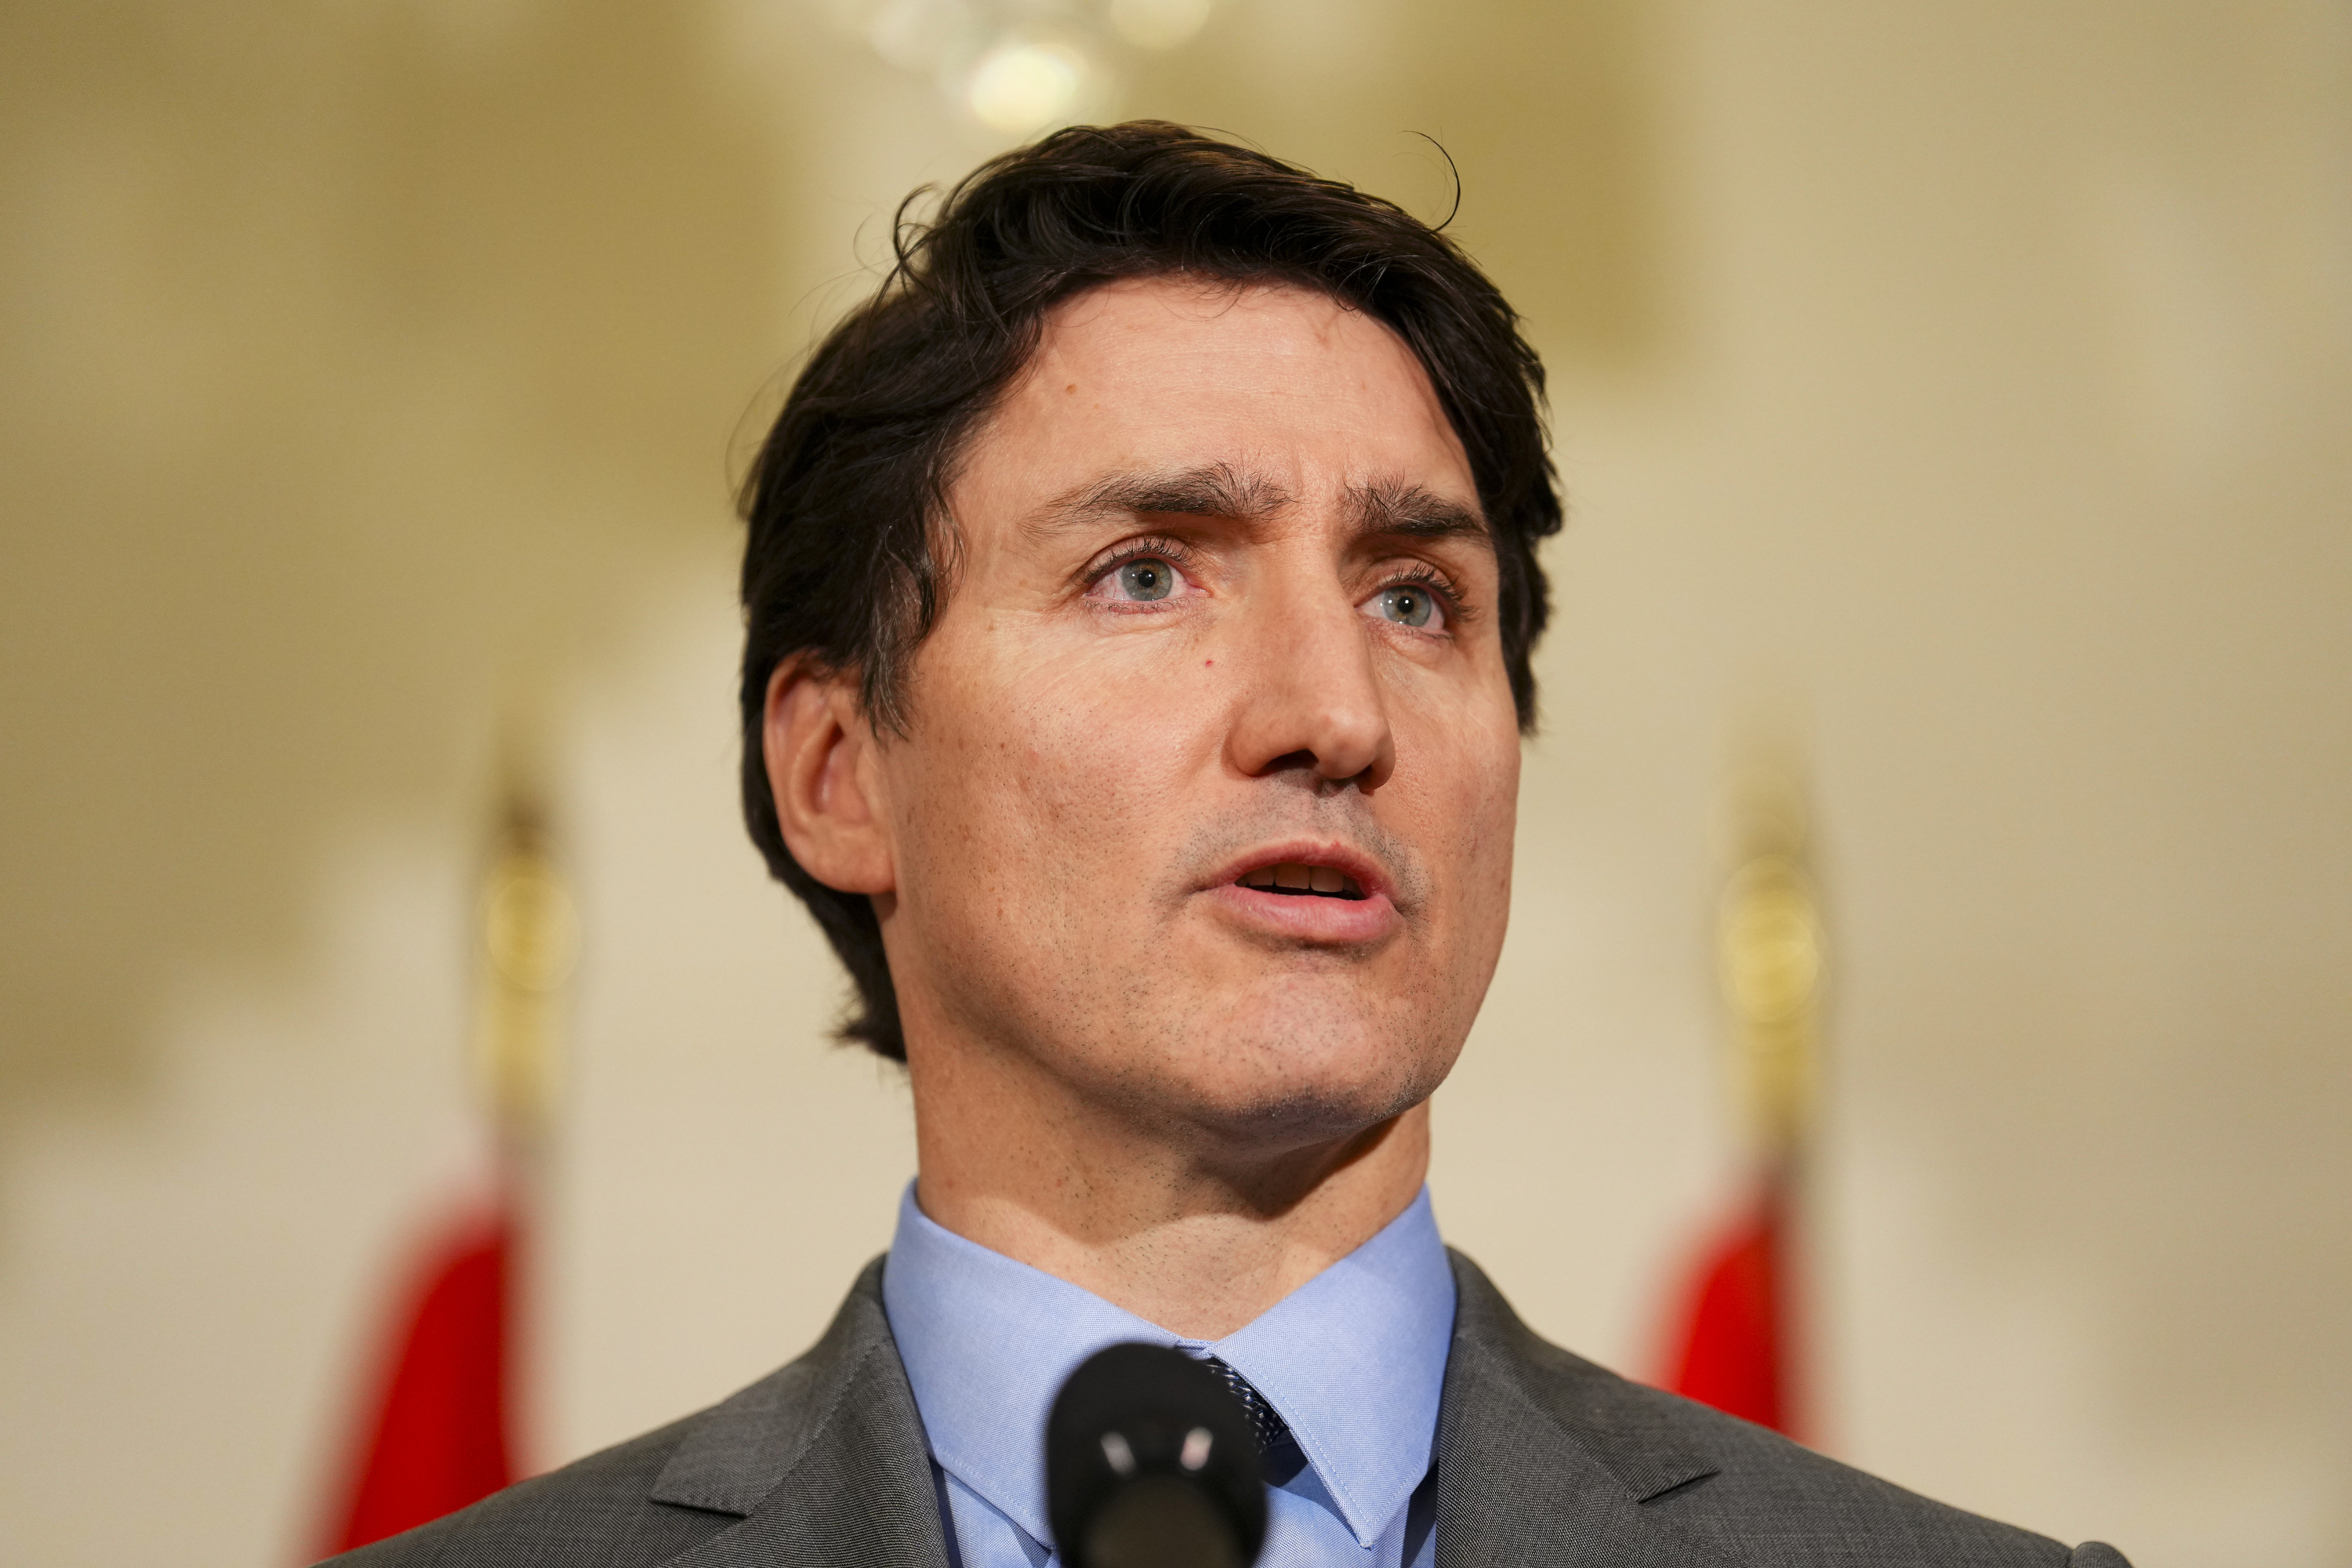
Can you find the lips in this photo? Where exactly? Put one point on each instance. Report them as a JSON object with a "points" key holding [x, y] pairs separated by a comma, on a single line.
{"points": [[1301, 880], [1311, 893]]}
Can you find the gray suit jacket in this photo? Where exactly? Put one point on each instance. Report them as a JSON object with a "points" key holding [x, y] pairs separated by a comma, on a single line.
{"points": [[1544, 1460]]}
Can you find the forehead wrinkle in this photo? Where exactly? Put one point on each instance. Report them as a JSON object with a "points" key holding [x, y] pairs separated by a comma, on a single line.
{"points": [[1399, 510], [1207, 490]]}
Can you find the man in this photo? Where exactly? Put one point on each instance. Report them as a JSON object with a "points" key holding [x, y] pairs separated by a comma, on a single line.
{"points": [[1140, 590]]}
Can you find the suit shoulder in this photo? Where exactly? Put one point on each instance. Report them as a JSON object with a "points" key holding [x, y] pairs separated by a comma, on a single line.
{"points": [[652, 1498], [596, 1511], [1750, 1492], [1783, 1502]]}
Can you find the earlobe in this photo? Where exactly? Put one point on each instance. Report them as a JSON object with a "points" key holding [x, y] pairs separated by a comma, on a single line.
{"points": [[821, 757]]}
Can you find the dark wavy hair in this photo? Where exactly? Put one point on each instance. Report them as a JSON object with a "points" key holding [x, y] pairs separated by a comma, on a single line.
{"points": [[848, 556]]}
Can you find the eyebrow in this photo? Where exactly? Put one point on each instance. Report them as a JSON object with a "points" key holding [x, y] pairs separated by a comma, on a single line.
{"points": [[1392, 508], [1408, 511], [1210, 490]]}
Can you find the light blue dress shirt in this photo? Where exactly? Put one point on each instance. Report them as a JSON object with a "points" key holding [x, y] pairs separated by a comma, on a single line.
{"points": [[1354, 1360]]}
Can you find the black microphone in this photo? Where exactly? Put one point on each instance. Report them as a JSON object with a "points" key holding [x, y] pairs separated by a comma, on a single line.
{"points": [[1151, 1463]]}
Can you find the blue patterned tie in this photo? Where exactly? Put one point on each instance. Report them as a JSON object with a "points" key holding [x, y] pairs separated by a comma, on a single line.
{"points": [[1272, 1430]]}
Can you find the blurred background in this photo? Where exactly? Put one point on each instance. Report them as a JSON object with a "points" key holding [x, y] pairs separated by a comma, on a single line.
{"points": [[1954, 404]]}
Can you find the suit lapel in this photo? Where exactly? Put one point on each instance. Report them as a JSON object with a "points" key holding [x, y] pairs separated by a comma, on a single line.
{"points": [[1539, 1465], [1544, 1460], [826, 1459]]}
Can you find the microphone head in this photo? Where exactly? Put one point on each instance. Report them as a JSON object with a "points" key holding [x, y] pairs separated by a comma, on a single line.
{"points": [[1151, 1463]]}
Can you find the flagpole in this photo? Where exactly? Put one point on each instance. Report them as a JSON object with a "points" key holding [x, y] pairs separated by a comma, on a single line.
{"points": [[1773, 957], [529, 946], [1736, 1324], [440, 1431]]}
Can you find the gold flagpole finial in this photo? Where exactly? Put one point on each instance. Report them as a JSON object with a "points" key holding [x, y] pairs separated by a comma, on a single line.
{"points": [[1771, 954], [530, 942]]}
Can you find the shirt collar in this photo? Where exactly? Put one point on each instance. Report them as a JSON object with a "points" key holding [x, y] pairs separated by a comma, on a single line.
{"points": [[1354, 1360]]}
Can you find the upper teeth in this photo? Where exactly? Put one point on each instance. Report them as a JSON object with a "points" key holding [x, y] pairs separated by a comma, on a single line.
{"points": [[1300, 878]]}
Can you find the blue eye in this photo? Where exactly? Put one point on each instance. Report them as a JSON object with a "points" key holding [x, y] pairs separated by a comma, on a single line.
{"points": [[1406, 605], [1147, 579]]}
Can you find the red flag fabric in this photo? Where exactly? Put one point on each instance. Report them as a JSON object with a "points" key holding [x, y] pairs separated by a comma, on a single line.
{"points": [[1732, 1351], [438, 1439]]}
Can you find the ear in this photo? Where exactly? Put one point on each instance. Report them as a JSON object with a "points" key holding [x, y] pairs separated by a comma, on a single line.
{"points": [[823, 766]]}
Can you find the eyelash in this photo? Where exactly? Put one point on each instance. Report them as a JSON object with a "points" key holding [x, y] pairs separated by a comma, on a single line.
{"points": [[1173, 551], [1421, 575]]}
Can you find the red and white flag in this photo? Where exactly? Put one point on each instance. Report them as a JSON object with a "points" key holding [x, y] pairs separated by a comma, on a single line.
{"points": [[434, 1435], [1733, 1335]]}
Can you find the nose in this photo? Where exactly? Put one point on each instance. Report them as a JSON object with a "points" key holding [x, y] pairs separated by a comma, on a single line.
{"points": [[1313, 696]]}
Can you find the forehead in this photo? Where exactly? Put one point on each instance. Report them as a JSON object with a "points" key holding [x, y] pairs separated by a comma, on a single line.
{"points": [[1281, 381]]}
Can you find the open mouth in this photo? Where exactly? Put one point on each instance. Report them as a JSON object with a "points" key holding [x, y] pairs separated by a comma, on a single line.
{"points": [[1302, 881]]}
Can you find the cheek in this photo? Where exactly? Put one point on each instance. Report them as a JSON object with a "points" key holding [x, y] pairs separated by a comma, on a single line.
{"points": [[1471, 805], [1497, 803], [1046, 785], [1497, 839], [1461, 753], [1487, 819]]}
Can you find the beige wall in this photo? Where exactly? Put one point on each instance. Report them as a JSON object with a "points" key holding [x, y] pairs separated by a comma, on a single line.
{"points": [[1955, 399]]}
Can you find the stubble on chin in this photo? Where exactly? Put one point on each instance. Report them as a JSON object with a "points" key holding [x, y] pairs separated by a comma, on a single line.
{"points": [[1307, 1066]]}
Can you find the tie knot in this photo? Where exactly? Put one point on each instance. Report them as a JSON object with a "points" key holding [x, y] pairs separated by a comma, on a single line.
{"points": [[1272, 1430]]}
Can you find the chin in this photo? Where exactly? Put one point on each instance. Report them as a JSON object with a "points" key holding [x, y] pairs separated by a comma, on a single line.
{"points": [[1288, 1083]]}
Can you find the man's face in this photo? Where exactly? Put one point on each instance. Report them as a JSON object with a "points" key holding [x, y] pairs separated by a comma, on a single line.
{"points": [[1206, 805]]}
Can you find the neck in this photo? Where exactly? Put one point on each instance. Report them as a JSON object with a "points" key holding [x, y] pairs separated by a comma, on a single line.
{"points": [[1176, 1225]]}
